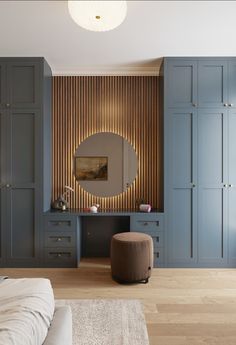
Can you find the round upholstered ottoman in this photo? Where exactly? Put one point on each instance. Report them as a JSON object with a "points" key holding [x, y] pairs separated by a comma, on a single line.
{"points": [[131, 257]]}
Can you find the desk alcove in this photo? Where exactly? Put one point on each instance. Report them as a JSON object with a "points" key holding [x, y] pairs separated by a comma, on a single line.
{"points": [[70, 235]]}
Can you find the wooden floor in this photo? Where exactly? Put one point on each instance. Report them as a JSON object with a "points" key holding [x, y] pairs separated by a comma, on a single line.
{"points": [[182, 306]]}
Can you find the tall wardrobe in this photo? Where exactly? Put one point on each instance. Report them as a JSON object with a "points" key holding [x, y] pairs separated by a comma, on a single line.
{"points": [[200, 161], [25, 158]]}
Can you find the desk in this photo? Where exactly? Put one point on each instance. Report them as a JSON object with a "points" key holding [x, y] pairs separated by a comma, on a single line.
{"points": [[72, 234]]}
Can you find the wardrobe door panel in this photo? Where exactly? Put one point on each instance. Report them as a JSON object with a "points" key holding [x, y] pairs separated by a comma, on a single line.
{"points": [[181, 80], [24, 84], [232, 84], [212, 186], [3, 182], [182, 194], [232, 186], [3, 88], [21, 240], [23, 195], [23, 144], [211, 225], [212, 83]]}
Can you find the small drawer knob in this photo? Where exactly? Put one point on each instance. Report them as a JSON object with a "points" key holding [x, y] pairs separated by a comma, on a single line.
{"points": [[59, 239]]}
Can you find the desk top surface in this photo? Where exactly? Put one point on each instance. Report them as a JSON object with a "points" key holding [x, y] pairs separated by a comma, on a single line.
{"points": [[104, 212]]}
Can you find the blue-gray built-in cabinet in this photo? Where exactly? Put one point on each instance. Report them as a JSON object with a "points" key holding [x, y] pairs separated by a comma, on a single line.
{"points": [[25, 135], [200, 161], [198, 226]]}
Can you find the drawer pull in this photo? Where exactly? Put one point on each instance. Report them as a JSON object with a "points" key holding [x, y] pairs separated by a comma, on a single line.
{"points": [[60, 223], [59, 239], [60, 254], [150, 222], [157, 255], [157, 239]]}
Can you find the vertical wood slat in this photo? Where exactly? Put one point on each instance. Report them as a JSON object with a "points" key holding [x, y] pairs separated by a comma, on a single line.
{"points": [[128, 106]]}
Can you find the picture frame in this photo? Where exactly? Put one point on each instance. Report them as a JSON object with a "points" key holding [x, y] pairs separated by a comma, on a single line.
{"points": [[91, 168]]}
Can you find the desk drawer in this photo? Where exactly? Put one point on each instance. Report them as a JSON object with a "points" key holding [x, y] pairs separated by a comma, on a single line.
{"points": [[147, 223], [60, 239], [59, 222], [158, 257], [60, 257], [158, 240]]}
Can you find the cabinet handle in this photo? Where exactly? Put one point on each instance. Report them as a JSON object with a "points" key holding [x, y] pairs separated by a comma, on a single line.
{"points": [[8, 185], [193, 185], [145, 223], [225, 104], [59, 255], [194, 104], [59, 239], [231, 185], [230, 104], [225, 185], [8, 105]]}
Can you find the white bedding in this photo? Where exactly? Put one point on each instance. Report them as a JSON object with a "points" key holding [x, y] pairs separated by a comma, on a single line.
{"points": [[26, 310]]}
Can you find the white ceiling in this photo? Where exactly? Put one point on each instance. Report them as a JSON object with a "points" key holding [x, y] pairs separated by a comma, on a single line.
{"points": [[151, 30]]}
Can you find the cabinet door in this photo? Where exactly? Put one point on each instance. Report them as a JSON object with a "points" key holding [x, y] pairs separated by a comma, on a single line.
{"points": [[3, 185], [23, 194], [181, 191], [181, 83], [232, 84], [24, 81], [232, 186], [212, 191], [3, 86], [212, 83]]}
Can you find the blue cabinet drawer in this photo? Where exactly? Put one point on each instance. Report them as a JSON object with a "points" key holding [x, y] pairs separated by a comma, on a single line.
{"points": [[60, 257], [147, 223], [158, 240], [60, 239], [59, 222], [158, 257]]}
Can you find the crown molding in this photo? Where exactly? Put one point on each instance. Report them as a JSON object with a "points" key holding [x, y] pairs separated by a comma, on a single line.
{"points": [[108, 71]]}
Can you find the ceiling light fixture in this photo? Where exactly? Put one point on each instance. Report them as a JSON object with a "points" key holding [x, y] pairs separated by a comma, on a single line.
{"points": [[98, 15]]}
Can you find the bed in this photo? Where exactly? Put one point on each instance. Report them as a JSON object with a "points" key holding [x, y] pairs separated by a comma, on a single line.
{"points": [[28, 315]]}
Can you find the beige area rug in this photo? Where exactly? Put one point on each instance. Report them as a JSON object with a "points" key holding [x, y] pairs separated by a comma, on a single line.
{"points": [[107, 322]]}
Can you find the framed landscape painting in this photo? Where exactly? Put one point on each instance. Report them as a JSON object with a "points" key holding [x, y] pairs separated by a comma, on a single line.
{"points": [[91, 168]]}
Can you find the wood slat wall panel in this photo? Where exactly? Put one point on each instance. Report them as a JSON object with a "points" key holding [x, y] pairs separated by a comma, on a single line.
{"points": [[128, 106]]}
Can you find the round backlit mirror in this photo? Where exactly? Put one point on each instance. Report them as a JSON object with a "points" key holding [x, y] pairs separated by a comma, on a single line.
{"points": [[105, 164]]}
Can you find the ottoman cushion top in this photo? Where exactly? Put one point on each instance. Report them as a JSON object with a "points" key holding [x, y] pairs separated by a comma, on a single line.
{"points": [[131, 237]]}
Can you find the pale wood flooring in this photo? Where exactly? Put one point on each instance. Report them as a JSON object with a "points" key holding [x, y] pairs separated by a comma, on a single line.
{"points": [[182, 306]]}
